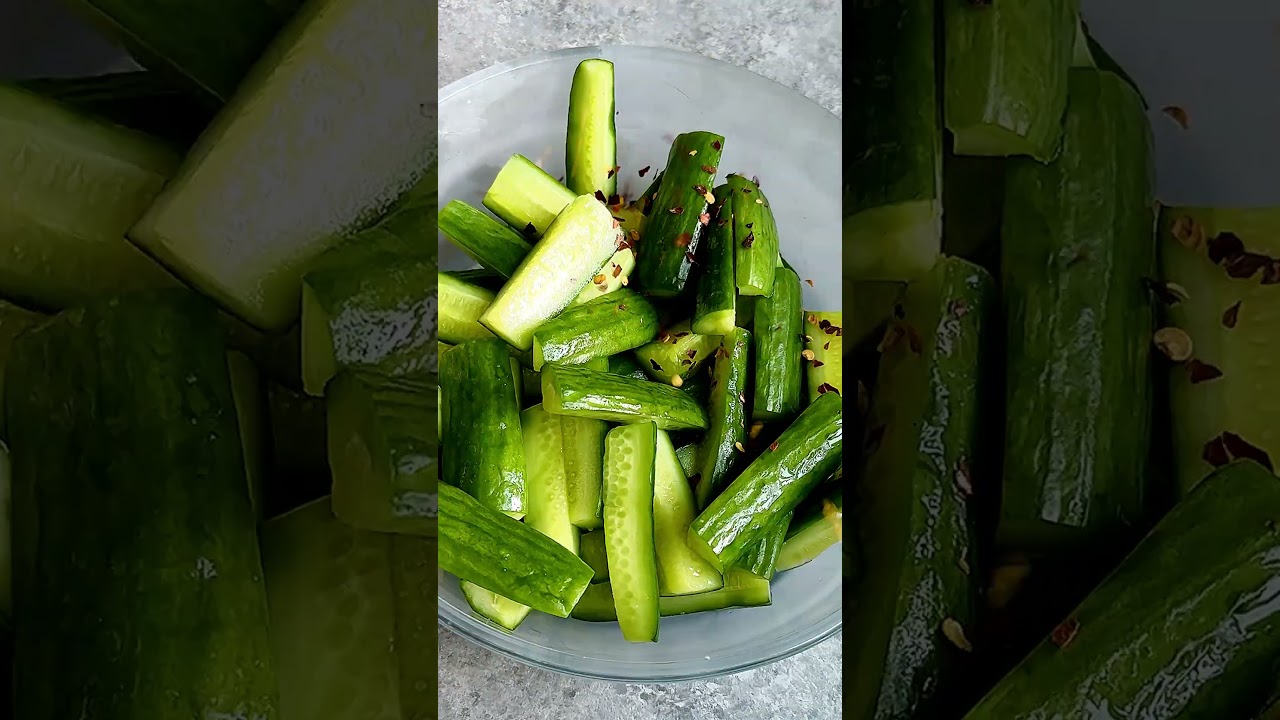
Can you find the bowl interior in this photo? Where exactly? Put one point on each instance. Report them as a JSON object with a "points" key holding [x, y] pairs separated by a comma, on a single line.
{"points": [[770, 131]]}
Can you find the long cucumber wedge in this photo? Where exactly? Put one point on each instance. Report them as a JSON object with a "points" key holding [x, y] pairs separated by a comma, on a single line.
{"points": [[779, 366], [608, 325], [741, 589], [677, 354], [716, 300], [1079, 323], [1213, 607], [563, 262], [813, 529], [505, 556], [592, 550], [1234, 326], [674, 227], [824, 337], [761, 557], [629, 456], [582, 440], [1006, 88], [681, 571], [773, 485], [578, 392], [730, 378], [263, 192], [526, 197], [495, 246], [924, 458], [383, 452], [893, 183], [591, 143], [755, 237], [481, 435]]}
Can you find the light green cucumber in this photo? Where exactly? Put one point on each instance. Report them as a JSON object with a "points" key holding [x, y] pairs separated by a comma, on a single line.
{"points": [[629, 460], [582, 440], [591, 144], [526, 197], [677, 352], [681, 571], [591, 549]]}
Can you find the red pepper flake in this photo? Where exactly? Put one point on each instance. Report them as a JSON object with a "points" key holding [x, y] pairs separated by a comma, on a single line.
{"points": [[530, 230], [826, 388], [1225, 246], [681, 334], [682, 240], [1178, 114], [962, 476], [818, 363], [709, 169], [705, 218], [1231, 316], [746, 190], [700, 189], [824, 323], [1245, 265], [677, 210], [715, 144], [749, 240], [623, 307], [612, 171], [808, 282], [1240, 448], [1201, 371], [1215, 452], [692, 353], [617, 222], [689, 256], [644, 170], [773, 446], [826, 345], [756, 179], [1065, 632], [721, 352], [655, 365], [959, 308], [600, 196]]}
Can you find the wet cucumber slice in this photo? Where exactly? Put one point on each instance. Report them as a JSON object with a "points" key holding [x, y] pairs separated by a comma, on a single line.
{"points": [[460, 306], [681, 571], [612, 324], [629, 458], [591, 549], [755, 237], [591, 144], [727, 409], [813, 529], [741, 589], [717, 292], [578, 392], [778, 337], [677, 352], [493, 245], [503, 612], [582, 440], [546, 487], [526, 197]]}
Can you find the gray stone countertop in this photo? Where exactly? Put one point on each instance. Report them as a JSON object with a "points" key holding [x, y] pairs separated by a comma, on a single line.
{"points": [[796, 43]]}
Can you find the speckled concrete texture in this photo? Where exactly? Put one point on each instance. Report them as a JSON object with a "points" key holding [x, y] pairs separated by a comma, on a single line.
{"points": [[795, 43]]}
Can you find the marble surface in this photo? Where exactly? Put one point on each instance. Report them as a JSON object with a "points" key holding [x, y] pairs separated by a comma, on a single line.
{"points": [[795, 43]]}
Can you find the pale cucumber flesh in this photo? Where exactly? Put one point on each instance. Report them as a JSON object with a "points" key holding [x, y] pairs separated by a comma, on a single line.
{"points": [[628, 529], [681, 571]]}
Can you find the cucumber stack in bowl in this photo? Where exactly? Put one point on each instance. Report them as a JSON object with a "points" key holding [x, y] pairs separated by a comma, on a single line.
{"points": [[639, 416]]}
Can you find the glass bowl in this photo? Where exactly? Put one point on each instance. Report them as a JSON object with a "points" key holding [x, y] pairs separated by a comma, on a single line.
{"points": [[794, 146]]}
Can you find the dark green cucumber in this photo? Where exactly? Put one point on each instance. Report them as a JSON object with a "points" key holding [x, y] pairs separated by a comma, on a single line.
{"points": [[591, 144], [761, 557], [688, 457], [575, 246], [383, 452], [546, 486], [629, 460], [813, 529], [716, 301], [674, 227], [681, 571], [893, 183], [577, 392], [72, 185], [779, 367], [322, 573], [503, 555], [250, 247], [611, 324], [495, 246], [741, 589], [1192, 605], [526, 197], [772, 486], [923, 461], [1006, 88], [369, 304], [722, 448], [626, 365], [591, 549], [482, 426], [138, 99], [1079, 323], [677, 352], [824, 337], [582, 439], [161, 531], [13, 321], [1235, 327], [755, 237]]}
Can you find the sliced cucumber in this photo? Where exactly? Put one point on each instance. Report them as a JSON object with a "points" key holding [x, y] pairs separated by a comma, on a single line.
{"points": [[761, 557], [545, 485], [824, 335], [613, 274], [716, 306], [741, 589], [591, 146], [674, 228], [629, 459], [677, 352], [779, 366], [578, 392], [267, 188], [506, 614], [755, 237], [591, 548], [812, 531], [582, 440], [688, 457], [576, 245], [720, 449], [526, 197], [681, 571], [495, 246], [615, 323], [626, 365], [460, 305]]}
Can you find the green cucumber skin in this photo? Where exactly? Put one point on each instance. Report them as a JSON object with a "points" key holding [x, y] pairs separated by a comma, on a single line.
{"points": [[482, 426], [626, 366], [779, 370], [1079, 322], [546, 487], [493, 245], [138, 99], [728, 412], [583, 443], [928, 410], [384, 469], [611, 324], [897, 121], [755, 237], [161, 530], [629, 460], [670, 239], [772, 486], [1193, 604], [669, 355], [1000, 75], [761, 558], [680, 570], [526, 197], [578, 392], [501, 554], [688, 457], [591, 549], [415, 573], [827, 365], [506, 614], [717, 291], [575, 247], [742, 589], [591, 150], [813, 529]]}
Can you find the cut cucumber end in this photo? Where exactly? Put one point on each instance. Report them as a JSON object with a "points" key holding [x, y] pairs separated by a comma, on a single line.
{"points": [[591, 143], [318, 362], [814, 539], [991, 140], [716, 323], [898, 242], [703, 549], [526, 197], [507, 614]]}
